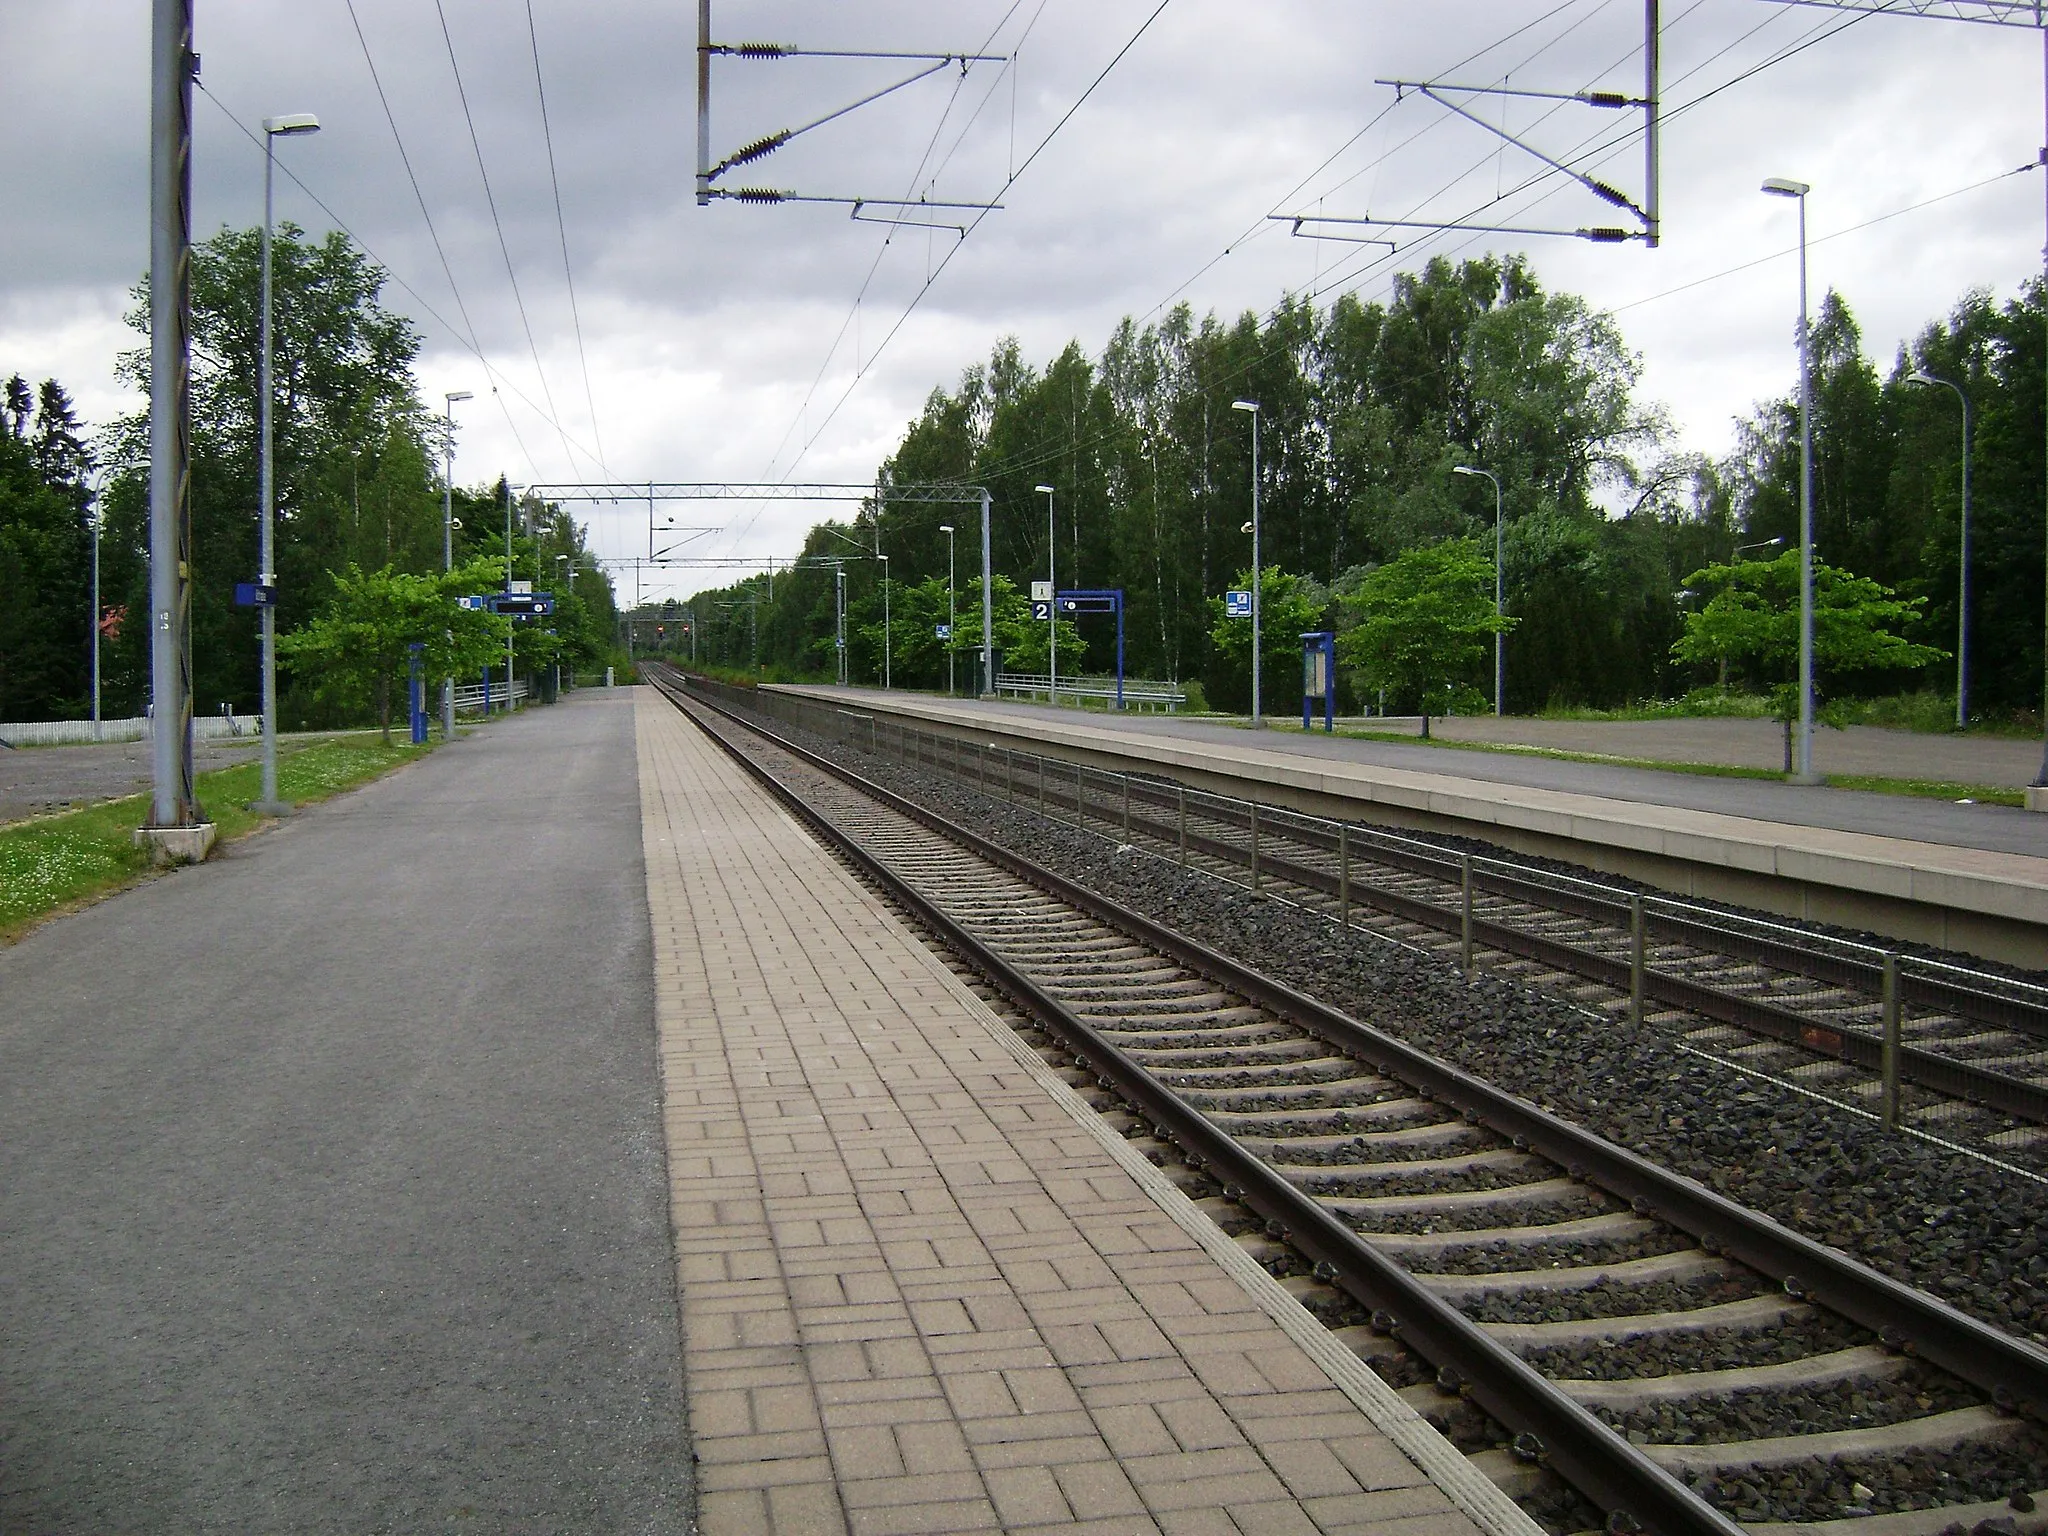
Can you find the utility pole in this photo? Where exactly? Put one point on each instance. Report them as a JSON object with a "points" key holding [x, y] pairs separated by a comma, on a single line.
{"points": [[176, 831]]}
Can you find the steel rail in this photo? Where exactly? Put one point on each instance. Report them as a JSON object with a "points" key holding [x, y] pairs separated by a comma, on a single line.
{"points": [[1946, 996], [1946, 1075], [1943, 1074], [1598, 1461], [2012, 1372]]}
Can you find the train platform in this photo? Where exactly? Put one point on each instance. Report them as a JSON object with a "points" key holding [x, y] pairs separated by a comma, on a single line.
{"points": [[923, 1286], [1967, 877]]}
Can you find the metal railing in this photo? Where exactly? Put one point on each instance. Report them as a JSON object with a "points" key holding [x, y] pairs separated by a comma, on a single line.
{"points": [[469, 697], [1317, 854], [1139, 692]]}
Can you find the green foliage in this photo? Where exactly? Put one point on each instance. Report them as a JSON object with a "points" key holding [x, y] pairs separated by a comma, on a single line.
{"points": [[357, 458], [1289, 607], [45, 556], [1748, 618], [358, 651], [1419, 625]]}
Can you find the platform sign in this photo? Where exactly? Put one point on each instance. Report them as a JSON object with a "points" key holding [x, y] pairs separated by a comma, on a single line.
{"points": [[513, 605], [1041, 591], [1088, 602], [254, 594], [1041, 608], [1237, 604], [943, 631]]}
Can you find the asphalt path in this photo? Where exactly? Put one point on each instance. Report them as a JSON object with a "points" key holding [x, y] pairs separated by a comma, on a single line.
{"points": [[334, 1191], [1998, 828]]}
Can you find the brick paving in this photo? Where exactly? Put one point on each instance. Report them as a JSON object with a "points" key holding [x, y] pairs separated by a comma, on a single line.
{"points": [[919, 1294]]}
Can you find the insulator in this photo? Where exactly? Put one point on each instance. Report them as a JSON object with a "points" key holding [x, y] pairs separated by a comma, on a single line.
{"points": [[1613, 195], [759, 147], [756, 195], [762, 50], [1608, 235], [1604, 99]]}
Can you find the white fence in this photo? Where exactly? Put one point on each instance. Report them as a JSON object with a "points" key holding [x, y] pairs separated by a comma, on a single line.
{"points": [[1138, 692], [63, 733]]}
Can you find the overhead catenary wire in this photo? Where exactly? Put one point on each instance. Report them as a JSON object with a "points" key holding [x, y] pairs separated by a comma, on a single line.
{"points": [[441, 251], [504, 247], [947, 260], [882, 249], [456, 333], [562, 229]]}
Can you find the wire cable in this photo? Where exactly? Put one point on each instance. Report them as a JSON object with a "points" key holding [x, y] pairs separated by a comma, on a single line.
{"points": [[562, 229], [504, 248]]}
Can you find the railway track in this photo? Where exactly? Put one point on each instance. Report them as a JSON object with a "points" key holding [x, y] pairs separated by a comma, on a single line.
{"points": [[1566, 1309], [1946, 1050]]}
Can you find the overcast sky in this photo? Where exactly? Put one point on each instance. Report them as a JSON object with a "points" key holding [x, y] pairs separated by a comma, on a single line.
{"points": [[726, 342]]}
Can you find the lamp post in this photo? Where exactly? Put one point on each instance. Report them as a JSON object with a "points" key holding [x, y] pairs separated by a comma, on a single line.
{"points": [[888, 678], [274, 128], [1803, 772], [448, 540], [1499, 647], [99, 517], [1052, 610], [1925, 379], [1258, 718], [1742, 549], [947, 530]]}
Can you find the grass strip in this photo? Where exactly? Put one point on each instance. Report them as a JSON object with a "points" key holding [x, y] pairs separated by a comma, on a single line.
{"points": [[1924, 789], [54, 863]]}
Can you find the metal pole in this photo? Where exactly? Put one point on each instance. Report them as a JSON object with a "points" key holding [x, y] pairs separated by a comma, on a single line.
{"points": [[2041, 777], [448, 549], [888, 677], [1465, 908], [1963, 586], [98, 517], [1344, 873], [988, 607], [1893, 1028], [1805, 758], [1255, 843], [1652, 127], [1182, 790], [173, 798], [508, 588], [1052, 622], [703, 102], [1127, 805], [952, 688], [267, 799], [1258, 717], [1500, 665], [1637, 936]]}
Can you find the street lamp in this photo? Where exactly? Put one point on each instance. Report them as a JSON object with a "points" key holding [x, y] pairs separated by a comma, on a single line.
{"points": [[1499, 651], [1052, 609], [1922, 377], [1803, 772], [1742, 549], [888, 680], [1258, 719], [448, 540], [274, 128], [947, 530]]}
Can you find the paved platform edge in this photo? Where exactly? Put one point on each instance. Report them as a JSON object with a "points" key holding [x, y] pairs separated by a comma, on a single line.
{"points": [[1996, 885], [1447, 1467], [1460, 1481]]}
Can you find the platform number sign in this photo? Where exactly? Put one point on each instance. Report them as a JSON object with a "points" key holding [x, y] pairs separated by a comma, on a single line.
{"points": [[1041, 611], [1237, 603]]}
